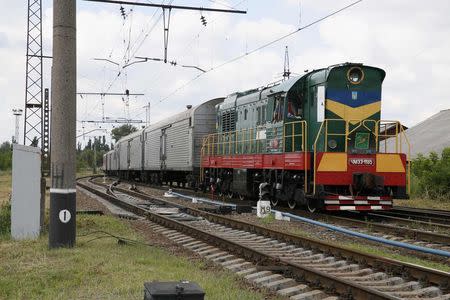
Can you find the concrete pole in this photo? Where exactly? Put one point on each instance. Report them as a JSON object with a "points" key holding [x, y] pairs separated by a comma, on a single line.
{"points": [[63, 126]]}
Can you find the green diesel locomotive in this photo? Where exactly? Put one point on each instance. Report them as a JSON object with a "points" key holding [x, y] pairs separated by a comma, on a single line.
{"points": [[315, 140]]}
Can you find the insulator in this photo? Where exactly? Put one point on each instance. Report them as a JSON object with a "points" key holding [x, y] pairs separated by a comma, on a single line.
{"points": [[122, 12], [203, 20]]}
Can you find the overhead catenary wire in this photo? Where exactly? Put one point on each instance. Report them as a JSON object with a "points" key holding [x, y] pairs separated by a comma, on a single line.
{"points": [[247, 53], [132, 51], [190, 44], [126, 55]]}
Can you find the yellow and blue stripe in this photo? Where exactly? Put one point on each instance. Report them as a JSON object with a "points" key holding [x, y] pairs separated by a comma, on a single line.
{"points": [[353, 105]]}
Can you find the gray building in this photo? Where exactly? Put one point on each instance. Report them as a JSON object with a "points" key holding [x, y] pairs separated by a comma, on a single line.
{"points": [[432, 134]]}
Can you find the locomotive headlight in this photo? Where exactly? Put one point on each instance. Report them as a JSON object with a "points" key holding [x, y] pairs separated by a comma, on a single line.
{"points": [[355, 75], [332, 144]]}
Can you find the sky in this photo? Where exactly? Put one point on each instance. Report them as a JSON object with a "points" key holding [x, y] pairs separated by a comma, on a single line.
{"points": [[408, 39]]}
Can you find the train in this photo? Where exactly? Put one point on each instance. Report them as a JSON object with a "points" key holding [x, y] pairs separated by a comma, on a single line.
{"points": [[315, 141]]}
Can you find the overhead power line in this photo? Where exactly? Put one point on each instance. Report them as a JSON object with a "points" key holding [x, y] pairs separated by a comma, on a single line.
{"points": [[260, 48], [164, 6], [111, 94]]}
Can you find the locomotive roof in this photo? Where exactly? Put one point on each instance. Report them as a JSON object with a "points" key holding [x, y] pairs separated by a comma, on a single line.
{"points": [[288, 84], [285, 85], [317, 76]]}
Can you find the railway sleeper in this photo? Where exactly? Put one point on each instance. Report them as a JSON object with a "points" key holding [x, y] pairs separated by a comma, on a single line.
{"points": [[385, 282], [315, 260], [429, 292], [266, 279]]}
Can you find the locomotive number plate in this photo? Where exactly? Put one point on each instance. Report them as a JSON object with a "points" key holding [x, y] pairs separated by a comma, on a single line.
{"points": [[361, 161]]}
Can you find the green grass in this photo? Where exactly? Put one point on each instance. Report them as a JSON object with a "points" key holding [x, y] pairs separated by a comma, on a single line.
{"points": [[88, 172], [5, 186], [270, 218], [424, 203], [103, 269]]}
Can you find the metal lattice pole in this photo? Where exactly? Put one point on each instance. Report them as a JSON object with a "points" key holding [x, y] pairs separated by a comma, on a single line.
{"points": [[33, 128], [17, 112]]}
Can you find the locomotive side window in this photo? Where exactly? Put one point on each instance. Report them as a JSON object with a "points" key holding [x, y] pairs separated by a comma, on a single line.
{"points": [[278, 109], [245, 114], [294, 110]]}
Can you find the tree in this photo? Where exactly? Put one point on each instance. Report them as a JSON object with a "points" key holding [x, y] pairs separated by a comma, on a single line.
{"points": [[124, 130], [5, 156], [431, 175]]}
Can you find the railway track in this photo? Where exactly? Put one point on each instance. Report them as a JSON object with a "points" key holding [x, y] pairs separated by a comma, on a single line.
{"points": [[397, 232], [438, 217], [431, 235], [293, 266]]}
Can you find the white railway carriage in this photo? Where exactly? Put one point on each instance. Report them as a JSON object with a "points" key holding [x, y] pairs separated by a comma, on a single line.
{"points": [[167, 151]]}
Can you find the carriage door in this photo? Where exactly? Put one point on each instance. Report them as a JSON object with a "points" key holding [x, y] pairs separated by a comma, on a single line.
{"points": [[163, 148], [128, 154]]}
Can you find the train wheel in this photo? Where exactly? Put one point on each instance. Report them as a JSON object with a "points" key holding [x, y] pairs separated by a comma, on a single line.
{"points": [[310, 205], [292, 203]]}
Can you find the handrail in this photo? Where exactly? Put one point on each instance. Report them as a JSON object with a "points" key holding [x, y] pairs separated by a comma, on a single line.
{"points": [[249, 141], [399, 133]]}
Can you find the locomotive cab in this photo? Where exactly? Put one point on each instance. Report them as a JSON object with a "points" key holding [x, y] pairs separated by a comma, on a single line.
{"points": [[351, 170]]}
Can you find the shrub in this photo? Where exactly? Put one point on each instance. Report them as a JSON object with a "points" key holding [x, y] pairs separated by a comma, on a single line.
{"points": [[431, 175]]}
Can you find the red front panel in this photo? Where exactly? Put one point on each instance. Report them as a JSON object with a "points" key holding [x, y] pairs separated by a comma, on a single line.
{"points": [[357, 163], [287, 161]]}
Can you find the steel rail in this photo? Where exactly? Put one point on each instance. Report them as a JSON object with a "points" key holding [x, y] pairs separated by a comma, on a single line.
{"points": [[343, 287], [421, 213], [406, 232], [444, 220], [407, 219], [388, 228], [434, 277], [436, 212]]}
